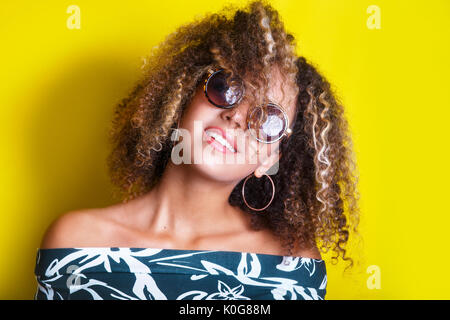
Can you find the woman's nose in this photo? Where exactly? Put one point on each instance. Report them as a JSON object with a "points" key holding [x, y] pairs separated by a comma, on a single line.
{"points": [[237, 115]]}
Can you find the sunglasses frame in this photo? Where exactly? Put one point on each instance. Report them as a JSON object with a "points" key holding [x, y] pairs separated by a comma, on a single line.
{"points": [[287, 130], [205, 89]]}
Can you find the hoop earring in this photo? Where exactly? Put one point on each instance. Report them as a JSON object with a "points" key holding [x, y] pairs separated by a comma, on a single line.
{"points": [[273, 193]]}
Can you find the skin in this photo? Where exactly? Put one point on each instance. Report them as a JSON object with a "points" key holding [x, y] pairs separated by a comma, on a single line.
{"points": [[182, 211]]}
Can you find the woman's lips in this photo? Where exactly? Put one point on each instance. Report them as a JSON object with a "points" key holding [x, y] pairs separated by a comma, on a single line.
{"points": [[217, 145]]}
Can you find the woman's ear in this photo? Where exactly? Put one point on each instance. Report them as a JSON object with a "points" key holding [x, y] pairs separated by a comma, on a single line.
{"points": [[267, 164]]}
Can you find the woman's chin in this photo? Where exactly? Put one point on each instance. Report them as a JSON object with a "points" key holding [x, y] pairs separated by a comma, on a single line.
{"points": [[222, 172], [219, 165]]}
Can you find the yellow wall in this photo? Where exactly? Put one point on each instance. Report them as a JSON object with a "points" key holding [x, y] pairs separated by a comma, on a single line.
{"points": [[59, 85]]}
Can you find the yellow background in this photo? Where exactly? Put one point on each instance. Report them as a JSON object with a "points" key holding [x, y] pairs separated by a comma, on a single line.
{"points": [[58, 87]]}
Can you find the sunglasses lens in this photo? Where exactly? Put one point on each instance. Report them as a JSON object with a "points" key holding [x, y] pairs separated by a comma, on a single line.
{"points": [[267, 126], [221, 91]]}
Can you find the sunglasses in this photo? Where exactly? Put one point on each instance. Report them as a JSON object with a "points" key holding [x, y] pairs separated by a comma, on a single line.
{"points": [[267, 123]]}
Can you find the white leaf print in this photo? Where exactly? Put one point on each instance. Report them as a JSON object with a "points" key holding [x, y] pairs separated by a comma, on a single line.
{"points": [[249, 266], [213, 267], [101, 256], [278, 293], [238, 290], [198, 276], [294, 263], [145, 287], [95, 295], [198, 295], [323, 285], [309, 265], [226, 293], [301, 291], [314, 294]]}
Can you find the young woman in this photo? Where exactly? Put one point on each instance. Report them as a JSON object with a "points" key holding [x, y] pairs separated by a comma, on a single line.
{"points": [[233, 162]]}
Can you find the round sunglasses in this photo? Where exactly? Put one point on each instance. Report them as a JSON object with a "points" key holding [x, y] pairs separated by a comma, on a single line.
{"points": [[267, 123]]}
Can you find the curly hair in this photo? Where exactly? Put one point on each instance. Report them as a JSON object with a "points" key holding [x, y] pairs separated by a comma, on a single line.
{"points": [[316, 177]]}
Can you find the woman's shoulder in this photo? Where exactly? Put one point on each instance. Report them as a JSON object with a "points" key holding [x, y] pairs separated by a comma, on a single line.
{"points": [[79, 227], [69, 226]]}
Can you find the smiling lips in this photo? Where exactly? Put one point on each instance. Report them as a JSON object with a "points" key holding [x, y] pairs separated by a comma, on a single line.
{"points": [[219, 140]]}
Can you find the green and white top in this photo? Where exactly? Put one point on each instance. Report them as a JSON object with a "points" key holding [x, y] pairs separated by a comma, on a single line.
{"points": [[97, 273]]}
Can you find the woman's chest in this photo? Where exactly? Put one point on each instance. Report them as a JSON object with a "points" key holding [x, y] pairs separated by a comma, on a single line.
{"points": [[261, 241]]}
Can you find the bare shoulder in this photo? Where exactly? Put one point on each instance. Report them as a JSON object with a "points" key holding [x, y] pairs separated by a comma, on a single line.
{"points": [[85, 227], [114, 225], [64, 231]]}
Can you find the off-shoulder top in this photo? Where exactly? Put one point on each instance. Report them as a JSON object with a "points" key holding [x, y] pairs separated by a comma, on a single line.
{"points": [[175, 274]]}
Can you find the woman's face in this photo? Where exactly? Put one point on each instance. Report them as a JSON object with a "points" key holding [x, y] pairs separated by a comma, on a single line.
{"points": [[201, 120]]}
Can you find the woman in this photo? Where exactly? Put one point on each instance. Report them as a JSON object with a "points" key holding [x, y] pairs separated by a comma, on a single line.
{"points": [[233, 163]]}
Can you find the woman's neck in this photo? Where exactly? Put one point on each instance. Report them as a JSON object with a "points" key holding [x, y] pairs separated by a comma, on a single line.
{"points": [[191, 205]]}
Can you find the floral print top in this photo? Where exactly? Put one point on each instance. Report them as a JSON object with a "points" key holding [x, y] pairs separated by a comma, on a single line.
{"points": [[175, 274]]}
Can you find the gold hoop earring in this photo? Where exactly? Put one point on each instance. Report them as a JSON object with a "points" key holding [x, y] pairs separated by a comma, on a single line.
{"points": [[273, 193]]}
